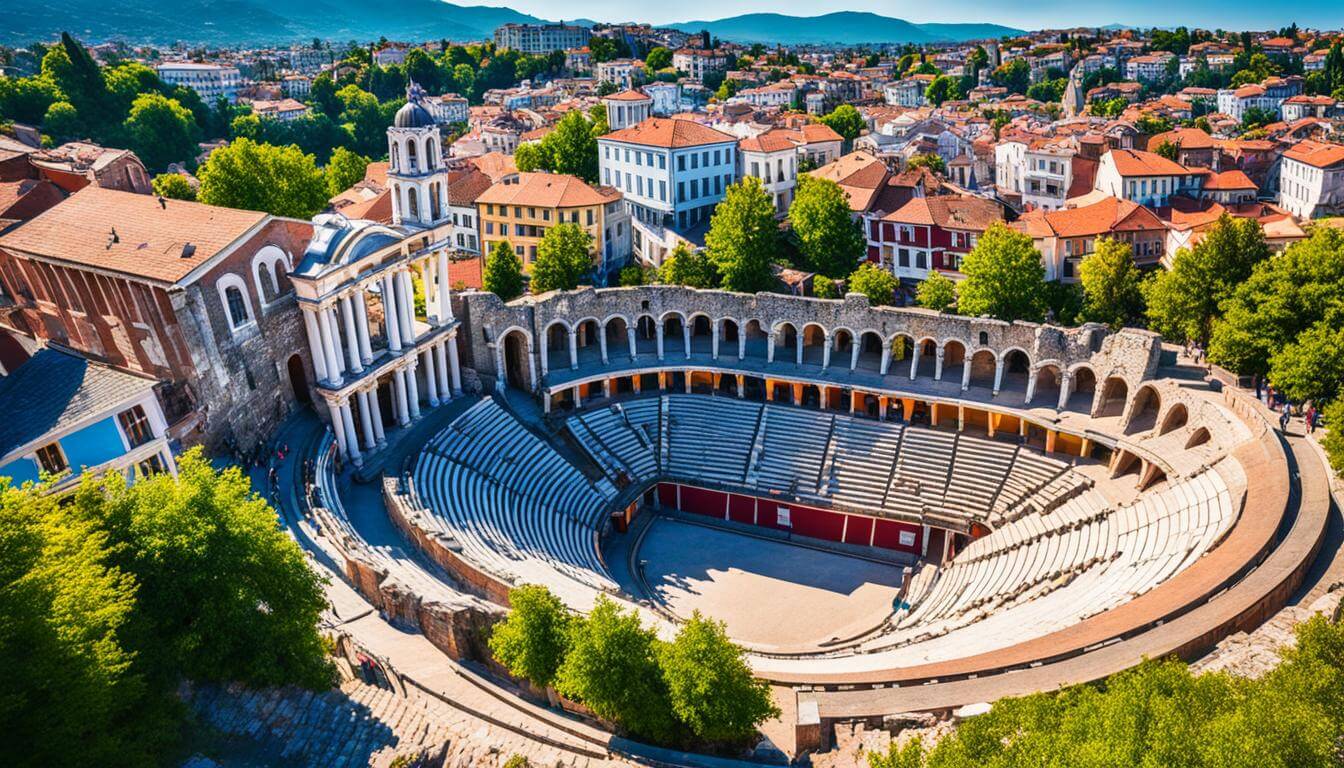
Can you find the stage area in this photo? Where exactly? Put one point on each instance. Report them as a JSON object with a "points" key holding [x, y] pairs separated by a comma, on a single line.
{"points": [[772, 595]]}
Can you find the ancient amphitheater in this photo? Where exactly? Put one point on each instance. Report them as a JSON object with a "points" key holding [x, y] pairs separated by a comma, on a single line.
{"points": [[893, 510]]}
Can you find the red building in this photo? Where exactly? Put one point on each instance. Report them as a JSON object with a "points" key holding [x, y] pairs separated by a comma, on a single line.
{"points": [[932, 233]]}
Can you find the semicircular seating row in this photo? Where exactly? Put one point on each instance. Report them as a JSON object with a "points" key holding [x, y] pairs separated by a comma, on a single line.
{"points": [[516, 507], [880, 467]]}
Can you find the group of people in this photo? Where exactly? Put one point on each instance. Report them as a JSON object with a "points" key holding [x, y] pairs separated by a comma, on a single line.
{"points": [[1276, 401]]}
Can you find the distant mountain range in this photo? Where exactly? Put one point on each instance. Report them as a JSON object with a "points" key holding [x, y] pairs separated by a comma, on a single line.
{"points": [[842, 27], [255, 22]]}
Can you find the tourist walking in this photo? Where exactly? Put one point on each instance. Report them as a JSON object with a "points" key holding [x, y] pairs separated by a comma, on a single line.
{"points": [[1284, 416]]}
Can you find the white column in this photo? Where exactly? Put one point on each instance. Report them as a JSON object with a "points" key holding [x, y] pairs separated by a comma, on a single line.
{"points": [[328, 350], [377, 410], [362, 321], [770, 348], [399, 383], [658, 331], [1031, 386], [798, 346], [602, 343], [1065, 383], [998, 374], [351, 335], [544, 353], [826, 352], [366, 420], [391, 317], [717, 329], [445, 299], [413, 389], [334, 326], [686, 338], [338, 426], [938, 364], [886, 359], [854, 354], [431, 378], [573, 349], [441, 365], [965, 374], [455, 370], [315, 342], [406, 303], [630, 336], [741, 342], [351, 437], [915, 352]]}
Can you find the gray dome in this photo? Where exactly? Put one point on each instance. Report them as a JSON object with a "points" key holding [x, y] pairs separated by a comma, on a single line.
{"points": [[412, 115]]}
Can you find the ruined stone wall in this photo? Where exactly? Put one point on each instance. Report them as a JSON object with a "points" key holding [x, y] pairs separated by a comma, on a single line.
{"points": [[1131, 354]]}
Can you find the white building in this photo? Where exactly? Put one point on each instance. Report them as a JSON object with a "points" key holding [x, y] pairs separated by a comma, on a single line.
{"points": [[904, 93], [627, 108], [283, 110], [772, 158], [619, 72], [666, 98], [672, 173], [297, 86], [448, 108], [1145, 178], [698, 64], [779, 95], [1311, 179], [1039, 170], [541, 39], [209, 81], [1150, 68]]}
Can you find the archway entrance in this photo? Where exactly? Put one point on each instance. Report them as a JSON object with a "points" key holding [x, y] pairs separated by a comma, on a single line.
{"points": [[298, 379], [515, 361]]}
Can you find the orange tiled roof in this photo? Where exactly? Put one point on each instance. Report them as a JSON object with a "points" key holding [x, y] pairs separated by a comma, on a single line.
{"points": [[1109, 214], [548, 190], [151, 239], [1316, 153], [669, 134], [1133, 162]]}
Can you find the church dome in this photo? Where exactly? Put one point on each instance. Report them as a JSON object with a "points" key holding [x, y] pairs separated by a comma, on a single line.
{"points": [[413, 115]]}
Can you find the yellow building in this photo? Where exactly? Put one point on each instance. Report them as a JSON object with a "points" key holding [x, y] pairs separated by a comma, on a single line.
{"points": [[521, 208]]}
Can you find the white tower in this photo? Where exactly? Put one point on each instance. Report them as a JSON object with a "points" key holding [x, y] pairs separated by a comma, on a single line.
{"points": [[416, 172], [627, 108]]}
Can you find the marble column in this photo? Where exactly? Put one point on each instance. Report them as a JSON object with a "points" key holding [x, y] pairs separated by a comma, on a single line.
{"points": [[630, 337], [362, 321], [366, 420], [351, 335], [573, 349], [826, 352], [441, 365], [431, 378], [337, 426], [377, 410], [315, 342], [399, 384], [351, 439], [390, 314], [412, 389], [328, 348], [445, 292]]}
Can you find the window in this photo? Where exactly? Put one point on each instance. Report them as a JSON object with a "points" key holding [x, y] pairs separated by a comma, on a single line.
{"points": [[695, 162], [903, 259], [135, 424], [52, 459], [590, 217], [681, 162], [154, 465], [662, 191], [237, 306], [921, 260], [717, 161], [662, 161], [782, 517]]}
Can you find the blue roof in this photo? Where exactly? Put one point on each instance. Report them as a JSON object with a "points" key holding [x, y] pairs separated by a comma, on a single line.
{"points": [[338, 240], [58, 389]]}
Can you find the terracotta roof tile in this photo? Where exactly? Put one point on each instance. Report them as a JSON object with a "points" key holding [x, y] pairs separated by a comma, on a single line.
{"points": [[1132, 162], [150, 240], [547, 190], [669, 134], [1316, 154]]}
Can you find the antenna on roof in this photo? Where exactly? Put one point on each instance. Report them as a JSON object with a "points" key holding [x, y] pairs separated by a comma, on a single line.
{"points": [[113, 239]]}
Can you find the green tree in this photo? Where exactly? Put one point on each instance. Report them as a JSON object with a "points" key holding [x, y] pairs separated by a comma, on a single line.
{"points": [[1014, 75], [281, 181], [1333, 441], [64, 616], [365, 119], [26, 99], [1184, 302], [743, 237], [344, 169], [322, 95], [225, 594], [658, 58], [846, 121], [503, 272], [1111, 284], [529, 157], [937, 291], [932, 161], [1004, 277], [1283, 297], [830, 241], [174, 186], [612, 667], [943, 88], [711, 688], [876, 283], [532, 642], [572, 147], [631, 275], [564, 256], [825, 288], [691, 268], [62, 121], [1168, 149], [161, 131], [1312, 366]]}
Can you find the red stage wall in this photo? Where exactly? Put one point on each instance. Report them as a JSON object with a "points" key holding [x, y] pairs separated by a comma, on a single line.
{"points": [[814, 522]]}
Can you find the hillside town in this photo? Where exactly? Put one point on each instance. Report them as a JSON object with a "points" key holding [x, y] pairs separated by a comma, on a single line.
{"points": [[408, 273]]}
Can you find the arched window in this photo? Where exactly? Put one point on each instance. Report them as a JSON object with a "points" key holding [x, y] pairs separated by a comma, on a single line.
{"points": [[410, 156], [396, 157], [412, 202], [431, 153], [233, 294], [269, 270]]}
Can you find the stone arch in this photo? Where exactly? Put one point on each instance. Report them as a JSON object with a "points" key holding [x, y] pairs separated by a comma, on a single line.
{"points": [[786, 342], [1143, 410], [983, 364], [617, 330], [702, 332], [674, 338], [729, 330], [901, 347], [954, 360], [1175, 418], [1199, 437], [842, 347], [1114, 394], [515, 358], [1015, 370], [926, 349], [1082, 388], [757, 341], [870, 350], [813, 339], [412, 153], [586, 338], [1048, 380], [556, 339]]}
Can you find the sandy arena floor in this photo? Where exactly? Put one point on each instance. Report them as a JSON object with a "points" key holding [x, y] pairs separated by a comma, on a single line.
{"points": [[770, 594]]}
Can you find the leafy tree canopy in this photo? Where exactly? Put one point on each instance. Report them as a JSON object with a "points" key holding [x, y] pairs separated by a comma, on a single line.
{"points": [[846, 121], [830, 241], [174, 186], [1111, 284], [743, 237], [691, 268], [876, 283], [938, 291], [503, 272], [281, 181], [1184, 302], [1004, 277], [534, 638], [710, 685], [564, 256]]}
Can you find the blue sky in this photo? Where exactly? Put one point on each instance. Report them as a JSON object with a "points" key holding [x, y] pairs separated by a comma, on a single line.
{"points": [[1030, 14]]}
